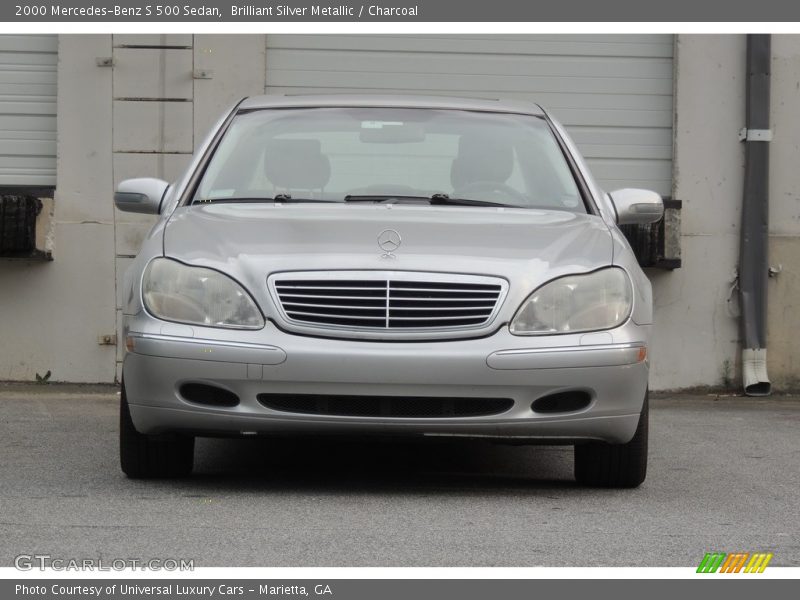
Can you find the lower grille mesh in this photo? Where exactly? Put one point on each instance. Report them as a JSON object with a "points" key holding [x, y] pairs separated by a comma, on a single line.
{"points": [[385, 406]]}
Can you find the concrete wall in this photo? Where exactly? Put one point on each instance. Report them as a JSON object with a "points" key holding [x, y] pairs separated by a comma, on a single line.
{"points": [[145, 115], [783, 321], [697, 327], [696, 333]]}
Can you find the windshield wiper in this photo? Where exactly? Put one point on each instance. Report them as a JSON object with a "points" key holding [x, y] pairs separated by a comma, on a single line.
{"points": [[285, 198], [445, 199], [384, 198], [435, 199]]}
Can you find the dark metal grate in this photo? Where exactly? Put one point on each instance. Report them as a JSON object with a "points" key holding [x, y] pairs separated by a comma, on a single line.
{"points": [[388, 303], [18, 225], [413, 407], [562, 402], [208, 395], [658, 245]]}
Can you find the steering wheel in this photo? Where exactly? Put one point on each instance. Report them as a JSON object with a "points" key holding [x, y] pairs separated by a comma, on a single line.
{"points": [[491, 186]]}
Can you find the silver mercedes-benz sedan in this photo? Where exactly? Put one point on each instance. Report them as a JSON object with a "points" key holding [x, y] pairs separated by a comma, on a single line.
{"points": [[387, 265]]}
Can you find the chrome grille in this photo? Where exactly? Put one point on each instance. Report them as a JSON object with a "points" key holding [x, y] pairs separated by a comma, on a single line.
{"points": [[401, 301]]}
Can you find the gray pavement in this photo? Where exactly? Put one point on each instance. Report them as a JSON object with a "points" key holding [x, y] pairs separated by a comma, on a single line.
{"points": [[723, 476]]}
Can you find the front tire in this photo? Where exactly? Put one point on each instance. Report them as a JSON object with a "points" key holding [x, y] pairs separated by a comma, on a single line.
{"points": [[151, 456], [601, 464]]}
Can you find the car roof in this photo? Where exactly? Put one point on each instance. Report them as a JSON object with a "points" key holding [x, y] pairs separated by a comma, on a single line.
{"points": [[391, 101]]}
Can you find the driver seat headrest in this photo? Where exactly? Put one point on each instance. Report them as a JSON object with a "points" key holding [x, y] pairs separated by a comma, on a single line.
{"points": [[296, 164]]}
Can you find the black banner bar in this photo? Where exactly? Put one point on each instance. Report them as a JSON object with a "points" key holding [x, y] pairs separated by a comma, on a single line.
{"points": [[399, 10], [728, 587]]}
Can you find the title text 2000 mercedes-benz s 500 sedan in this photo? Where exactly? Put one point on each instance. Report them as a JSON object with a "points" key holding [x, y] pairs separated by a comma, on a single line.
{"points": [[387, 265]]}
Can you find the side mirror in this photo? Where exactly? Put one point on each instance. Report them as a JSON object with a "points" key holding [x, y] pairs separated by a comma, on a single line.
{"points": [[142, 195], [637, 207]]}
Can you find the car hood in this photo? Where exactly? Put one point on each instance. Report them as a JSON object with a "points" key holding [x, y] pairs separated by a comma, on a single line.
{"points": [[250, 241]]}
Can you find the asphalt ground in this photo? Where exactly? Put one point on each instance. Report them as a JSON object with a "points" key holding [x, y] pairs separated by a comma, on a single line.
{"points": [[723, 476]]}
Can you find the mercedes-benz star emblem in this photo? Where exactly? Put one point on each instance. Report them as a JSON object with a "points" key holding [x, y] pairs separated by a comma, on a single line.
{"points": [[389, 241]]}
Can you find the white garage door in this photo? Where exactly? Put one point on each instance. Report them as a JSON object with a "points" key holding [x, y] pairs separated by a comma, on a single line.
{"points": [[28, 72], [614, 93]]}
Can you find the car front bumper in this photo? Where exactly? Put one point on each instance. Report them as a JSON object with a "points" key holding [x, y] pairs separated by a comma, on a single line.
{"points": [[608, 366]]}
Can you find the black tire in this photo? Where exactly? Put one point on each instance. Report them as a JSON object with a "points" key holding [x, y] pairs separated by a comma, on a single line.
{"points": [[600, 464], [151, 456]]}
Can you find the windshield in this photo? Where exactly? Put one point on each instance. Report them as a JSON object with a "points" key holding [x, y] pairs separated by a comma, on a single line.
{"points": [[390, 155]]}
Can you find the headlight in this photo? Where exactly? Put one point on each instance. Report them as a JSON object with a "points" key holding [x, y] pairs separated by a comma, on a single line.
{"points": [[599, 300], [175, 292]]}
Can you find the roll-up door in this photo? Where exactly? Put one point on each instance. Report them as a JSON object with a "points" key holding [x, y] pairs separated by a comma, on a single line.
{"points": [[613, 92], [28, 71]]}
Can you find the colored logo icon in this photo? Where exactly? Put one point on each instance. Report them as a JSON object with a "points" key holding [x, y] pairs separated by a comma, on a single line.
{"points": [[737, 562]]}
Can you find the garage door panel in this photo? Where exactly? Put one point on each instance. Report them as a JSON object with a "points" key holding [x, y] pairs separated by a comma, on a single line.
{"points": [[29, 43], [20, 136], [614, 118], [567, 100], [606, 101], [26, 91], [562, 100], [22, 123], [19, 161], [630, 136], [305, 40], [615, 168], [32, 177], [511, 65], [662, 187], [541, 45], [27, 147], [444, 82], [623, 151], [27, 106], [35, 170], [572, 38], [28, 77], [20, 60], [37, 79], [614, 93]]}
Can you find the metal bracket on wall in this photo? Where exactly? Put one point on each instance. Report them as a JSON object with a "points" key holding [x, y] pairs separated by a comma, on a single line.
{"points": [[755, 135]]}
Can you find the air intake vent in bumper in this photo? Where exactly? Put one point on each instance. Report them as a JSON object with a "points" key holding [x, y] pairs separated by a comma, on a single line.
{"points": [[385, 406]]}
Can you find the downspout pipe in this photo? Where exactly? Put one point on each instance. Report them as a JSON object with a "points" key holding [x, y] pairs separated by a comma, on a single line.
{"points": [[754, 235]]}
